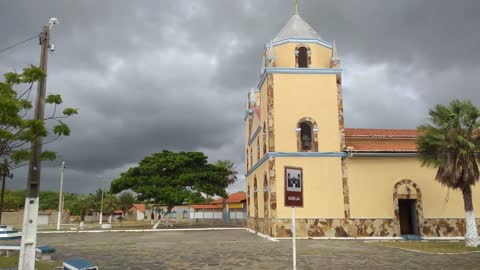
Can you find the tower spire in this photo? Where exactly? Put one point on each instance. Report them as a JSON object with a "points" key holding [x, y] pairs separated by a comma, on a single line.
{"points": [[296, 7]]}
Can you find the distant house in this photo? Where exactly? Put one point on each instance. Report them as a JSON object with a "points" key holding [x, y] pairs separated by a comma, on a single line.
{"points": [[137, 211], [235, 206], [201, 213]]}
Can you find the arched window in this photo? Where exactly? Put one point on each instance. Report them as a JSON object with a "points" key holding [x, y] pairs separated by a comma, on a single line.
{"points": [[185, 214], [258, 148], [264, 139], [246, 157], [302, 57], [251, 157], [307, 135]]}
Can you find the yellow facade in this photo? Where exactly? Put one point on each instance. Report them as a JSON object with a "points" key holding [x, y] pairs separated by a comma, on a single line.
{"points": [[322, 187], [306, 95], [368, 176]]}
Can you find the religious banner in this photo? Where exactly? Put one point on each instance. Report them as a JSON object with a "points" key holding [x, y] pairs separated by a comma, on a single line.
{"points": [[293, 187]]}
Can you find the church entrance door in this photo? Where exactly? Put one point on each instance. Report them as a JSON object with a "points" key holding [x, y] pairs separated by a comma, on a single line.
{"points": [[408, 216]]}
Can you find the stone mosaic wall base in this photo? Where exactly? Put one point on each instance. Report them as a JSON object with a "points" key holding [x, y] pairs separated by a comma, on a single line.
{"points": [[355, 227]]}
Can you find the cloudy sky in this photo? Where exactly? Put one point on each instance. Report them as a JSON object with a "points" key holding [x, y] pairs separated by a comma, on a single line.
{"points": [[153, 75]]}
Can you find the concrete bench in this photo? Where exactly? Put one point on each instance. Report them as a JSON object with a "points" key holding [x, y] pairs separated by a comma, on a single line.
{"points": [[78, 264], [44, 253], [9, 250]]}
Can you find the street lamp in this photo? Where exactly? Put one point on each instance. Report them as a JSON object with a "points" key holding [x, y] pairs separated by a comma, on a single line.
{"points": [[60, 198]]}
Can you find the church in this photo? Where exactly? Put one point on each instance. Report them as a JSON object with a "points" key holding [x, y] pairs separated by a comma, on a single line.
{"points": [[357, 182]]}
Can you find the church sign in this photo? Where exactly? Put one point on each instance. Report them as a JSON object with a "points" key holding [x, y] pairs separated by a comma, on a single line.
{"points": [[293, 187]]}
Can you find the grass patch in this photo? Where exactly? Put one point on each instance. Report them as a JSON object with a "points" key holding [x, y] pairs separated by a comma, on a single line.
{"points": [[12, 261], [432, 246]]}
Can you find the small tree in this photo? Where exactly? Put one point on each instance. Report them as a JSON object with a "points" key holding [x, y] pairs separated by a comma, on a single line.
{"points": [[17, 127], [231, 178], [451, 143], [170, 178], [125, 200]]}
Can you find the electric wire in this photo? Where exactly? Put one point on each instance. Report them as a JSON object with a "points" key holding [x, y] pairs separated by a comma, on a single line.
{"points": [[19, 43]]}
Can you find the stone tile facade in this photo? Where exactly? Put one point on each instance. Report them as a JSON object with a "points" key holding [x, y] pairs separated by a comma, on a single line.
{"points": [[355, 227]]}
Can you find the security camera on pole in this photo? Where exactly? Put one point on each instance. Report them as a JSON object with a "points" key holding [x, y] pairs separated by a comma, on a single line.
{"points": [[29, 229]]}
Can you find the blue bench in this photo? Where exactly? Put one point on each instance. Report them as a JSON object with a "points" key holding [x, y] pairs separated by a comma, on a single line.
{"points": [[78, 264], [44, 253], [7, 233]]}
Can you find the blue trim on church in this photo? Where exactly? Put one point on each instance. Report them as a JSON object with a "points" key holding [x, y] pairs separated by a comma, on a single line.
{"points": [[300, 40], [254, 135], [294, 154], [280, 70]]}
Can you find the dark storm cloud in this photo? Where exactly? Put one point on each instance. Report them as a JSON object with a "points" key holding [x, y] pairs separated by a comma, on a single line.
{"points": [[153, 75]]}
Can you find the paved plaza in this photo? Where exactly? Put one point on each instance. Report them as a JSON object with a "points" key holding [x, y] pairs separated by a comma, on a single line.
{"points": [[238, 249]]}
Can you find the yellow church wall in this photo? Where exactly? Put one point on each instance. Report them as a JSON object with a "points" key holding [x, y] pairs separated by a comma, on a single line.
{"points": [[305, 95], [259, 173], [323, 194], [285, 55], [371, 181]]}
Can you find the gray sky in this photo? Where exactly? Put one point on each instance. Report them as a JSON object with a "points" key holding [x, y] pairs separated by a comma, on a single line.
{"points": [[153, 75]]}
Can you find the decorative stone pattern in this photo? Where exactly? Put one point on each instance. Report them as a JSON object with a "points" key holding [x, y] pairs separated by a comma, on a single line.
{"points": [[445, 227], [270, 120], [314, 133], [338, 228], [354, 227], [407, 189]]}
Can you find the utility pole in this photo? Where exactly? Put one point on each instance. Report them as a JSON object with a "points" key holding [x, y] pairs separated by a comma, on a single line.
{"points": [[60, 198], [101, 204], [29, 229]]}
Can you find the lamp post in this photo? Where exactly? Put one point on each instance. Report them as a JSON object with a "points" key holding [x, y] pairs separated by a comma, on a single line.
{"points": [[101, 205], [60, 198]]}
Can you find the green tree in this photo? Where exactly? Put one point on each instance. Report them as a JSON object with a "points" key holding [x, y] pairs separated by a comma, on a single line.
{"points": [[17, 127], [170, 178], [125, 200], [451, 143], [48, 200], [14, 199]]}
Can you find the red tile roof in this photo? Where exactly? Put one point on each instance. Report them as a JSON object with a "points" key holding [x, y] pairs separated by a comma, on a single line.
{"points": [[380, 140], [204, 206], [408, 146], [233, 198], [383, 133], [139, 207]]}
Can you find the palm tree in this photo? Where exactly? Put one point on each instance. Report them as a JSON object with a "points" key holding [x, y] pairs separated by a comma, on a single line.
{"points": [[451, 144]]}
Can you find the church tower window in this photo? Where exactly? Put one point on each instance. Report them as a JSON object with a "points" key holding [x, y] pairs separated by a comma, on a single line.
{"points": [[302, 57], [307, 140], [306, 136]]}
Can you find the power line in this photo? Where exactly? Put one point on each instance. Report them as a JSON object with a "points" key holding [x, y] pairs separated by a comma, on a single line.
{"points": [[19, 43]]}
